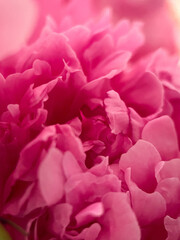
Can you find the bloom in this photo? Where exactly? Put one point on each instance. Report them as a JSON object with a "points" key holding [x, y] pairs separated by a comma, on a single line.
{"points": [[89, 136]]}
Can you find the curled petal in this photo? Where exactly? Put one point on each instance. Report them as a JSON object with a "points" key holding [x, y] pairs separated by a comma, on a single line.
{"points": [[148, 207], [117, 113], [162, 134], [142, 159], [172, 227]]}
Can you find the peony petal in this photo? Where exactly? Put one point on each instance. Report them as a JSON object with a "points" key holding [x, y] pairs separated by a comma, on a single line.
{"points": [[17, 84], [145, 94], [88, 233], [169, 188], [70, 165], [74, 34], [119, 221], [101, 168], [173, 228], [133, 39], [114, 63], [50, 176], [168, 169], [34, 201], [117, 113], [52, 48], [76, 125], [88, 214], [60, 218], [142, 159], [162, 134], [94, 89], [67, 141], [66, 90], [136, 123], [36, 96], [148, 207], [86, 187], [96, 53], [31, 155]]}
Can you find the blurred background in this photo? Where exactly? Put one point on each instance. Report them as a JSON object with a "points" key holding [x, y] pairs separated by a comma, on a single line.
{"points": [[21, 21]]}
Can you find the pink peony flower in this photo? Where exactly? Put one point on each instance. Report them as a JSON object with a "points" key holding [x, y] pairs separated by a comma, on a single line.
{"points": [[89, 136]]}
